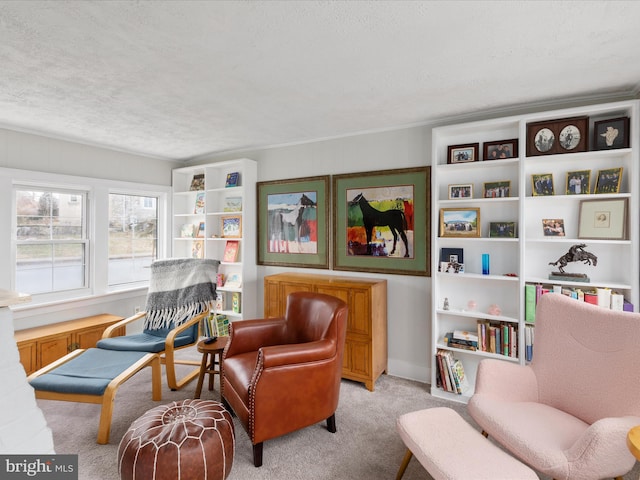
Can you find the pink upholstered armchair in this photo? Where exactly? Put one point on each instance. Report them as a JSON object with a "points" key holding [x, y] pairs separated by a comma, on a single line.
{"points": [[567, 414]]}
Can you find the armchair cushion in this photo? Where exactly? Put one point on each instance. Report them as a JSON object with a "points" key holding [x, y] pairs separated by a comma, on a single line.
{"points": [[147, 341]]}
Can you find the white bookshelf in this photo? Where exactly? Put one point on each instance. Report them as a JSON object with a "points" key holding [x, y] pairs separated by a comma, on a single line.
{"points": [[217, 200], [528, 255]]}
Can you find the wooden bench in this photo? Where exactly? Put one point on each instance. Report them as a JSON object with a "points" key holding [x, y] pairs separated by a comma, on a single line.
{"points": [[451, 449]]}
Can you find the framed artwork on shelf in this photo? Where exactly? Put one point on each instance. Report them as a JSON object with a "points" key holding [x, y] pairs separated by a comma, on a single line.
{"points": [[460, 191], [293, 222], [568, 135], [603, 219], [579, 182], [542, 184], [553, 227], [197, 182], [609, 180], [611, 134], [200, 231], [500, 149], [232, 180], [231, 249], [381, 221], [198, 208], [452, 255], [463, 153], [232, 204], [197, 249], [459, 222], [231, 226], [187, 230], [503, 229], [497, 189]]}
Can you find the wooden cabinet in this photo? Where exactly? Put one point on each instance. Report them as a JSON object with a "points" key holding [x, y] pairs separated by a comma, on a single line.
{"points": [[365, 351], [40, 346]]}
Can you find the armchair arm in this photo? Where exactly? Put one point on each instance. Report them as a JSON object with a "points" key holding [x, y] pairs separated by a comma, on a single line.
{"points": [[250, 335], [508, 381], [297, 353], [602, 448], [171, 336], [108, 332]]}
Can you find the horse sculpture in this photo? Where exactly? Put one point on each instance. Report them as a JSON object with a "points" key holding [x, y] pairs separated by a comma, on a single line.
{"points": [[575, 254], [394, 219]]}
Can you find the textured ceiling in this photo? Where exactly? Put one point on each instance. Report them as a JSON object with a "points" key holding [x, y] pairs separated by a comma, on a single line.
{"points": [[181, 79]]}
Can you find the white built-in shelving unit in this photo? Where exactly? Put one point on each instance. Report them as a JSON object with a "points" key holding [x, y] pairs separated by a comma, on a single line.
{"points": [[529, 253], [213, 241]]}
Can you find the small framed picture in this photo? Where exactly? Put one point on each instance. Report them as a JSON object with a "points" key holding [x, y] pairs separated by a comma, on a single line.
{"points": [[553, 227], [452, 255], [579, 182], [568, 135], [460, 191], [463, 153], [231, 226], [459, 222], [542, 184], [603, 219], [497, 189], [609, 180], [611, 134], [451, 267], [200, 231], [500, 149], [503, 229]]}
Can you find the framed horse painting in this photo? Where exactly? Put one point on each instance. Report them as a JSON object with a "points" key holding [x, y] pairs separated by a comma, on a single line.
{"points": [[293, 222], [382, 221]]}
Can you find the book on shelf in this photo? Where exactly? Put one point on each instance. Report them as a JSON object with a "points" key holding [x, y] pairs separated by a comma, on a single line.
{"points": [[200, 230], [452, 375], [500, 338], [465, 335], [220, 280], [220, 303], [199, 205], [197, 182], [233, 179], [186, 230], [215, 325], [231, 251], [197, 249], [222, 325], [528, 342], [235, 302], [232, 204], [451, 341], [234, 280]]}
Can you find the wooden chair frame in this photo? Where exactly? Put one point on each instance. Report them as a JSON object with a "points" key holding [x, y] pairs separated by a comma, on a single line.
{"points": [[108, 397], [167, 357]]}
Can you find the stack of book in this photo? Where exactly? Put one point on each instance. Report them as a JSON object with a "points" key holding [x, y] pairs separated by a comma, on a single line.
{"points": [[215, 325], [500, 338], [450, 374], [461, 339]]}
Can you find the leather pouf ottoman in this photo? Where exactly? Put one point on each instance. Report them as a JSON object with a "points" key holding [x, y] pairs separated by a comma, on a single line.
{"points": [[188, 440]]}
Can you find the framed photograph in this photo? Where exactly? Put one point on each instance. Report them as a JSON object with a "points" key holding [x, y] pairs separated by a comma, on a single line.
{"points": [[579, 182], [231, 226], [542, 184], [200, 230], [293, 222], [553, 227], [603, 219], [463, 153], [611, 134], [568, 135], [609, 180], [455, 255], [459, 222], [503, 229], [497, 189], [460, 191], [232, 204], [500, 149], [381, 221]]}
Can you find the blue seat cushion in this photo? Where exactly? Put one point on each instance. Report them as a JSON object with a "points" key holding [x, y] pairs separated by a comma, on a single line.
{"points": [[89, 373], [148, 341]]}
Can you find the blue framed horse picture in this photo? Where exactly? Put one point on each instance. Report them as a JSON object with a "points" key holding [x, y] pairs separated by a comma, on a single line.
{"points": [[382, 221]]}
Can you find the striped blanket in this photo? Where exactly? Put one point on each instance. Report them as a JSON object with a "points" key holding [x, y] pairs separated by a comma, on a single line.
{"points": [[179, 289]]}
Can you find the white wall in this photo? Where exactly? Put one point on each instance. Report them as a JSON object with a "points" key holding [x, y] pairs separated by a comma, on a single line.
{"points": [[408, 296]]}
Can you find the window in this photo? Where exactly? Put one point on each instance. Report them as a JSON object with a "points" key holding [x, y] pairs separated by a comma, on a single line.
{"points": [[133, 237], [51, 240]]}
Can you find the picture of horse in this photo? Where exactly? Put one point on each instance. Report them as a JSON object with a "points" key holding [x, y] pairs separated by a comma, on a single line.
{"points": [[292, 225], [380, 221]]}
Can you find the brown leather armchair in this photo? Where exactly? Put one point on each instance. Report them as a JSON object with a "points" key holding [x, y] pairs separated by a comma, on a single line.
{"points": [[283, 374]]}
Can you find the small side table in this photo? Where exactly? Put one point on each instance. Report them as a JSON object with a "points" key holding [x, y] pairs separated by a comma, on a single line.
{"points": [[208, 365], [633, 441]]}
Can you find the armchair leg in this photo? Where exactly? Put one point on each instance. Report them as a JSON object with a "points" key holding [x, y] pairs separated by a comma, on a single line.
{"points": [[257, 454], [331, 423], [485, 434], [404, 464]]}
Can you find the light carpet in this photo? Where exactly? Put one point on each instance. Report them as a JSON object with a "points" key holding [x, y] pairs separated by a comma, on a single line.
{"points": [[366, 444]]}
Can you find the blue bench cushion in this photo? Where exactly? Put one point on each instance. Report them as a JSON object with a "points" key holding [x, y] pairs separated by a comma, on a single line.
{"points": [[148, 341], [89, 373]]}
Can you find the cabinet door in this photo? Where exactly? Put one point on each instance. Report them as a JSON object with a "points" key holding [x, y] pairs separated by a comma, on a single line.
{"points": [[53, 348], [27, 353], [88, 338], [360, 358]]}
